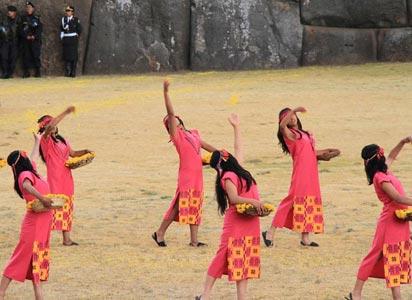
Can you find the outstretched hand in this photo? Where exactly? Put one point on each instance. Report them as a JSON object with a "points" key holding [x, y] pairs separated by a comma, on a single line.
{"points": [[234, 120], [407, 140], [300, 109], [70, 109], [166, 85], [37, 136]]}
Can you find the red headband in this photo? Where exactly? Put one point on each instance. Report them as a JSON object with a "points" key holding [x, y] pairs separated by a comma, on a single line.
{"points": [[283, 115], [378, 155], [45, 122]]}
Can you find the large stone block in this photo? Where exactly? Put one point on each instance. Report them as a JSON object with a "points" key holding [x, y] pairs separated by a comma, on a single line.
{"points": [[50, 12], [354, 13], [245, 34], [338, 46], [395, 45], [131, 36]]}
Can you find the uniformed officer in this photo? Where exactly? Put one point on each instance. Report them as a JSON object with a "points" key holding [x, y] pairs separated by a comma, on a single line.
{"points": [[30, 32], [9, 49], [70, 33]]}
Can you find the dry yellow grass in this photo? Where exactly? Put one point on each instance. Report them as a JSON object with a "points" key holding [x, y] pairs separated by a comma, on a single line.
{"points": [[122, 196]]}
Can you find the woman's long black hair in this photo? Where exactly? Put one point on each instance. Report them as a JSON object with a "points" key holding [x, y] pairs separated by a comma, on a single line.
{"points": [[225, 164], [374, 161], [281, 139], [56, 137], [19, 162]]}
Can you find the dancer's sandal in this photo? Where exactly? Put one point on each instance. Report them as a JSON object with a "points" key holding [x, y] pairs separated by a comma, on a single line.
{"points": [[199, 244], [349, 297], [312, 244], [198, 297], [268, 243], [71, 243], [160, 244]]}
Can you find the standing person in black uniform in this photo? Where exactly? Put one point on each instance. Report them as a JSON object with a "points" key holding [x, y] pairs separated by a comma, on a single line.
{"points": [[31, 29], [70, 33], [9, 49]]}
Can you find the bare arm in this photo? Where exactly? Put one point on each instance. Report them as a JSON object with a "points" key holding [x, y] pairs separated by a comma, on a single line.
{"points": [[207, 146], [234, 198], [28, 187], [173, 123], [77, 153], [56, 120], [395, 151], [284, 123], [234, 121], [390, 190], [34, 155]]}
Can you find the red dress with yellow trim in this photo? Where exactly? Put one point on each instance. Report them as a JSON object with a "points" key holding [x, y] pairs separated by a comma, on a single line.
{"points": [[189, 192], [60, 180], [302, 210], [31, 257], [238, 255], [390, 254]]}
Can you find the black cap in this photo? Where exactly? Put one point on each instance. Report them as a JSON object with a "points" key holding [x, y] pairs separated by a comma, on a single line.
{"points": [[29, 3], [69, 8], [11, 8]]}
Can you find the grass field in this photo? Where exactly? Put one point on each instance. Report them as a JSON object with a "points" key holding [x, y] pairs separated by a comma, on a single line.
{"points": [[122, 197]]}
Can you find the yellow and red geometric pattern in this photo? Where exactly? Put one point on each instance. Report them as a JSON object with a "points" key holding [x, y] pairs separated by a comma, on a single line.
{"points": [[63, 217], [397, 263], [190, 207], [308, 214], [243, 258], [40, 262]]}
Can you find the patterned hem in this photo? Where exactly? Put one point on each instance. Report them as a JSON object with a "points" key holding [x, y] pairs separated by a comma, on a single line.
{"points": [[397, 263], [243, 258], [190, 207], [63, 217], [308, 214], [40, 261]]}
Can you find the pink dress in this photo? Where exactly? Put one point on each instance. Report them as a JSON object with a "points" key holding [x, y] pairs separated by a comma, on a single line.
{"points": [[301, 210], [238, 255], [390, 254], [189, 190], [31, 256], [60, 180]]}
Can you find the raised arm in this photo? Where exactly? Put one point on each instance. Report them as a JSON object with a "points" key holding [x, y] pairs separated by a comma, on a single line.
{"points": [[172, 121], [395, 151], [34, 155], [49, 128], [283, 125], [235, 122]]}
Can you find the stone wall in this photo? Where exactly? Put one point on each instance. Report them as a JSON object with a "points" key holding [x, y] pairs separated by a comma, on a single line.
{"points": [[135, 36]]}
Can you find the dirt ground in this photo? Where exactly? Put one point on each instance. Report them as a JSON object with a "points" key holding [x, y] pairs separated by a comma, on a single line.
{"points": [[122, 196]]}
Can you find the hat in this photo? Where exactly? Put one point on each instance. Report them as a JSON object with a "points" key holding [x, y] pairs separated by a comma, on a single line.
{"points": [[69, 8], [29, 3], [11, 8]]}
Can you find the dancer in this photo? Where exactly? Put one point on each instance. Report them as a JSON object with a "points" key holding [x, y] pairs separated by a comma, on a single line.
{"points": [[390, 255], [31, 257], [186, 207], [301, 210], [238, 255], [55, 151]]}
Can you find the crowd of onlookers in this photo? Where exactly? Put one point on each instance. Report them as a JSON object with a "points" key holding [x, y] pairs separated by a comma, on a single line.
{"points": [[22, 35]]}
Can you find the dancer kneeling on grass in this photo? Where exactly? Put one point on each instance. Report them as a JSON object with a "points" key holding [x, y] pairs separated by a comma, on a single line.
{"points": [[390, 255], [31, 257], [301, 210], [186, 206], [238, 255]]}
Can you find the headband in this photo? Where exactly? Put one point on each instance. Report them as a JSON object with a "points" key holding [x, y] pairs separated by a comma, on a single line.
{"points": [[283, 115], [223, 155], [45, 122], [379, 154]]}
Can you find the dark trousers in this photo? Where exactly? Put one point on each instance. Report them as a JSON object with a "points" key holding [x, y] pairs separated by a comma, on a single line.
{"points": [[71, 66], [9, 52], [31, 54]]}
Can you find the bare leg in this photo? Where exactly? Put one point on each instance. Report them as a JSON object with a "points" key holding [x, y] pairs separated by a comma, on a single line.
{"points": [[270, 233], [166, 223], [241, 287], [210, 281], [357, 291], [5, 281], [396, 293], [38, 291], [305, 238], [66, 237], [193, 234]]}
